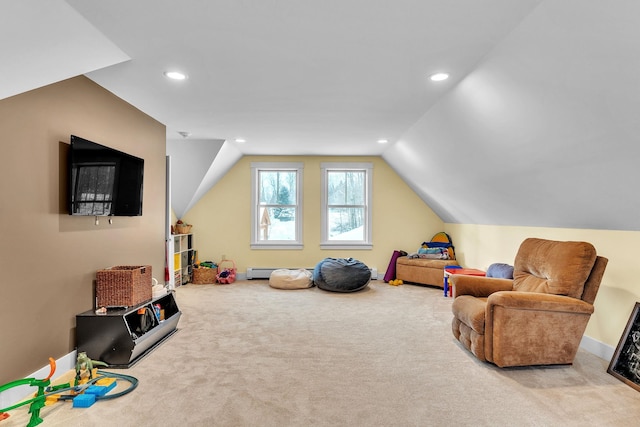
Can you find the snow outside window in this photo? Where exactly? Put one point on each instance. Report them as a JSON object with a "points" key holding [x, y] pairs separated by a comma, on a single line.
{"points": [[276, 219], [346, 205]]}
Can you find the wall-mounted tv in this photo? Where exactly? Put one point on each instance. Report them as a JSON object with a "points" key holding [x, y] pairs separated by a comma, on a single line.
{"points": [[103, 181]]}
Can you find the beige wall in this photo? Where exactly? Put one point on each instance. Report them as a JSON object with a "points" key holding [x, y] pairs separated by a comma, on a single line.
{"points": [[222, 219], [48, 259], [478, 246]]}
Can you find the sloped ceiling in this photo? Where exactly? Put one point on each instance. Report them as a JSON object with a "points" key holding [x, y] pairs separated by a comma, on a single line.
{"points": [[44, 42], [543, 132], [196, 166], [534, 127]]}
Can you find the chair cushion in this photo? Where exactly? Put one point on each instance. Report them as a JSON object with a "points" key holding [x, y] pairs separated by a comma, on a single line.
{"points": [[470, 311], [552, 267], [429, 263]]}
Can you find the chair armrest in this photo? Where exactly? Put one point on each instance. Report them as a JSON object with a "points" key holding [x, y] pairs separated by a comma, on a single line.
{"points": [[478, 286], [539, 301]]}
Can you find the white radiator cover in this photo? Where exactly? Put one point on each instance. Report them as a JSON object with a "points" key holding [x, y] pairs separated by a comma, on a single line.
{"points": [[265, 272]]}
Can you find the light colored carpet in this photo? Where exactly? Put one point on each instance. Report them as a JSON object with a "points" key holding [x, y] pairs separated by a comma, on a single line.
{"points": [[250, 355]]}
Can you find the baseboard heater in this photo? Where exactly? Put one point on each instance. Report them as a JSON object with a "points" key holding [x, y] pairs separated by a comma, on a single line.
{"points": [[265, 272]]}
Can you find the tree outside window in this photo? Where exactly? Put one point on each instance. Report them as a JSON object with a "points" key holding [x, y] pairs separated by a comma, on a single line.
{"points": [[276, 219], [277, 205], [346, 215], [346, 207]]}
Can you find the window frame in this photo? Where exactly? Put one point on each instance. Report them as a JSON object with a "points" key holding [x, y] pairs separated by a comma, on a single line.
{"points": [[257, 167], [365, 243]]}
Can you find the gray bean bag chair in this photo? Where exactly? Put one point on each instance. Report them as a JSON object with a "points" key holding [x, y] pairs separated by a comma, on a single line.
{"points": [[341, 275]]}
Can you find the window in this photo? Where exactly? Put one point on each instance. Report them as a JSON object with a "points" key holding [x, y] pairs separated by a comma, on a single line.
{"points": [[93, 188], [346, 205], [276, 218]]}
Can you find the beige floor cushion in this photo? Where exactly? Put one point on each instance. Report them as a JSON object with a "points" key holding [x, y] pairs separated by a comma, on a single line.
{"points": [[291, 279]]}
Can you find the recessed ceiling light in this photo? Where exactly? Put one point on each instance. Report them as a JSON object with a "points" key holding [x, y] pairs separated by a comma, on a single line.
{"points": [[240, 140], [438, 77], [175, 75], [382, 141]]}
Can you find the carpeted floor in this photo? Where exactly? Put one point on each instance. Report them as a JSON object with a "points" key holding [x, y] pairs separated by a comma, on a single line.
{"points": [[250, 355]]}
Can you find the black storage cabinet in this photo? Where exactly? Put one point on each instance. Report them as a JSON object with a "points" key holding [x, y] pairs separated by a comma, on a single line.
{"points": [[120, 338]]}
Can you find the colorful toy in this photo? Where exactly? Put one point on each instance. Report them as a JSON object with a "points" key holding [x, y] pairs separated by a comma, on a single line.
{"points": [[84, 363], [207, 264], [83, 395], [226, 275], [395, 282], [37, 402]]}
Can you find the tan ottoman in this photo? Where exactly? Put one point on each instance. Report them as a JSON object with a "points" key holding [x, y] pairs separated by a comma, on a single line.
{"points": [[422, 271], [291, 279]]}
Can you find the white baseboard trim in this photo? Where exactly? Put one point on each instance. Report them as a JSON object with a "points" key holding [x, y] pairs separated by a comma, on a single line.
{"points": [[597, 348], [16, 394]]}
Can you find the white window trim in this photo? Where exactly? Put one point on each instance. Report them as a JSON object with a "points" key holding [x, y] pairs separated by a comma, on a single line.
{"points": [[256, 243], [367, 243]]}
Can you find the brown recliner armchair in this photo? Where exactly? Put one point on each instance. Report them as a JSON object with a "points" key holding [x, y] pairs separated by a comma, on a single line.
{"points": [[539, 317]]}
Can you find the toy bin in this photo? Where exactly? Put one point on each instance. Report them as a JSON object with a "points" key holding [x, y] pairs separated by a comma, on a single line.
{"points": [[203, 276], [226, 275], [123, 286]]}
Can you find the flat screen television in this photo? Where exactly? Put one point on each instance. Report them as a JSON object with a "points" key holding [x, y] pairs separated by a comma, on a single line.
{"points": [[103, 181]]}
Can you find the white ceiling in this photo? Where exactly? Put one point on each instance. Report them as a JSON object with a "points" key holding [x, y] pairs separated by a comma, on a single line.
{"points": [[291, 76], [535, 127]]}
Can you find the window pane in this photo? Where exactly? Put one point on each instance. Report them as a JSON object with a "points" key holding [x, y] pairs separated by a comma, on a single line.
{"points": [[346, 223], [286, 188], [355, 188], [267, 187], [336, 188], [277, 224], [277, 188], [346, 187]]}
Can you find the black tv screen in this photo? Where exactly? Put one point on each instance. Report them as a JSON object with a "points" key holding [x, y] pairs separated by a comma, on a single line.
{"points": [[103, 181]]}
